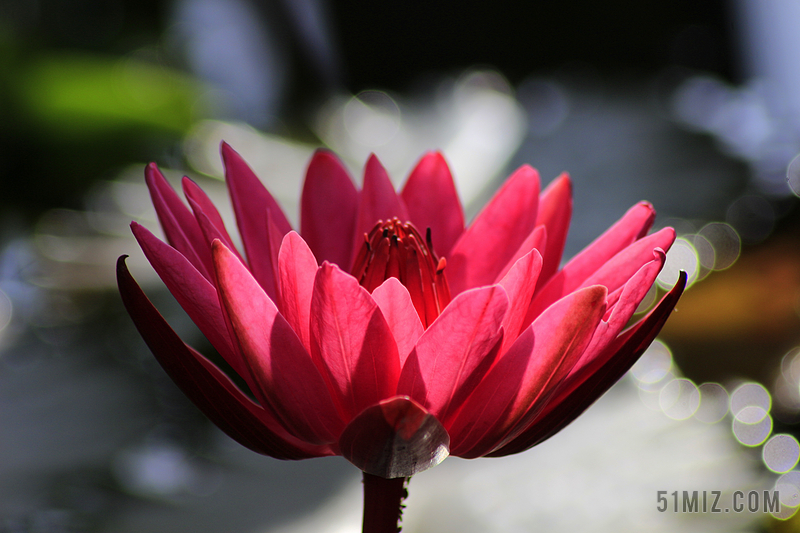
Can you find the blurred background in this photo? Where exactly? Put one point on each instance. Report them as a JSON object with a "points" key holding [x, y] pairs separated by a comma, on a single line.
{"points": [[690, 105]]}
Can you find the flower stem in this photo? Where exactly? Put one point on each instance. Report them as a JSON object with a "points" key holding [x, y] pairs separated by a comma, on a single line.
{"points": [[383, 500]]}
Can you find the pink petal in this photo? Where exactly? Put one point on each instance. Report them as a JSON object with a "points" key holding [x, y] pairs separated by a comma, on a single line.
{"points": [[555, 211], [631, 294], [401, 316], [455, 351], [351, 342], [282, 370], [519, 284], [212, 231], [208, 387], [631, 227], [177, 221], [396, 438], [195, 294], [627, 348], [536, 240], [496, 233], [251, 202], [432, 201], [379, 201], [272, 248], [298, 269], [518, 386], [201, 203], [328, 209], [199, 197], [622, 266]]}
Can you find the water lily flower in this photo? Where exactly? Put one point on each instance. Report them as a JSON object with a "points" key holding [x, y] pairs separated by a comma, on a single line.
{"points": [[386, 331]]}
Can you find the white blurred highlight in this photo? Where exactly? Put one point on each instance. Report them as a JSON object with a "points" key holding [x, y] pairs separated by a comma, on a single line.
{"points": [[781, 453]]}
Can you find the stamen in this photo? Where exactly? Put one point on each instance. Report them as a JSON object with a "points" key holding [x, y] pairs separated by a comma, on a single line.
{"points": [[396, 249]]}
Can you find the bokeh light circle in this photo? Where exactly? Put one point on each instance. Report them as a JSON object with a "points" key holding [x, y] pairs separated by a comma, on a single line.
{"points": [[789, 487], [750, 394], [654, 364], [681, 256], [372, 118], [713, 403], [793, 175], [781, 453], [679, 399], [725, 241], [752, 425]]}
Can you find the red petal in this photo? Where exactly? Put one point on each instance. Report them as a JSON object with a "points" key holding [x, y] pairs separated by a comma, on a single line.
{"points": [[178, 223], [518, 386], [519, 284], [208, 387], [201, 203], [595, 382], [211, 231], [396, 438], [379, 201], [282, 370], [631, 294], [631, 227], [401, 316], [251, 202], [432, 201], [298, 269], [536, 240], [455, 351], [555, 210], [195, 294], [496, 233], [622, 266], [351, 342], [328, 209]]}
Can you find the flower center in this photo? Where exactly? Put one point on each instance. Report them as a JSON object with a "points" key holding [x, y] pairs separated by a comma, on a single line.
{"points": [[395, 249]]}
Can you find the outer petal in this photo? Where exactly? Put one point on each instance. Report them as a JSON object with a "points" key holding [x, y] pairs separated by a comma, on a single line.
{"points": [[455, 351], [519, 284], [195, 294], [281, 368], [328, 209], [595, 382], [178, 223], [396, 438], [398, 310], [555, 212], [379, 201], [613, 273], [629, 298], [201, 202], [432, 201], [542, 356], [251, 202], [351, 342], [298, 268], [632, 226], [496, 233], [212, 231], [622, 266], [210, 389], [536, 240]]}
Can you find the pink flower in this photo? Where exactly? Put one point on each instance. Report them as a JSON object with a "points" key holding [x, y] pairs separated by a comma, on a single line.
{"points": [[389, 333]]}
